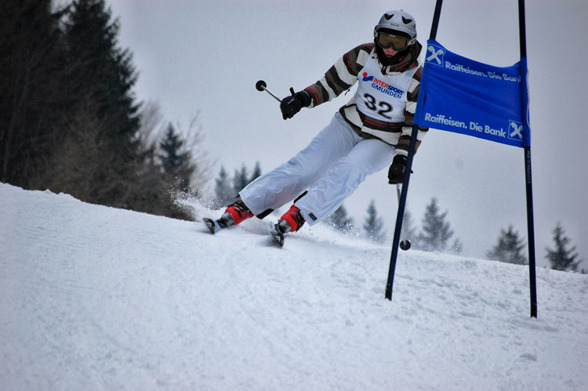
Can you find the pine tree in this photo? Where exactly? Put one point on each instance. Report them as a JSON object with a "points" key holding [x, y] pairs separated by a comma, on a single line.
{"points": [[176, 161], [163, 190], [509, 248], [240, 179], [436, 230], [562, 257], [373, 225], [33, 93], [340, 221], [100, 79], [256, 172], [223, 191], [457, 247], [103, 72]]}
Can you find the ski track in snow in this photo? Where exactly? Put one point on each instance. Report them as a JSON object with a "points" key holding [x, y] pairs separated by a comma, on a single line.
{"points": [[99, 298]]}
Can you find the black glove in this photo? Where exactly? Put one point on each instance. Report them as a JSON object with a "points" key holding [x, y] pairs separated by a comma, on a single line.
{"points": [[292, 104], [396, 171]]}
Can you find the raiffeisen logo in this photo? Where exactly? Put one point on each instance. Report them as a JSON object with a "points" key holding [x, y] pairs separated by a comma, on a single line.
{"points": [[382, 86]]}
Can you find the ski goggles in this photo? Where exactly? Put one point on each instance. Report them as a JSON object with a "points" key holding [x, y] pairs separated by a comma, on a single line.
{"points": [[396, 42]]}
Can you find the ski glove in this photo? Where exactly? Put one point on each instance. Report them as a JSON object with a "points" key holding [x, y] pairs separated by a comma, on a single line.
{"points": [[292, 104], [396, 171]]}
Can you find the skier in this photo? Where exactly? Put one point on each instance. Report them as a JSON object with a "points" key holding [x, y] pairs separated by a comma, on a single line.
{"points": [[370, 131]]}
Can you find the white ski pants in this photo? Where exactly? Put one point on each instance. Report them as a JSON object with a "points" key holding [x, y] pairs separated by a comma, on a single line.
{"points": [[330, 168]]}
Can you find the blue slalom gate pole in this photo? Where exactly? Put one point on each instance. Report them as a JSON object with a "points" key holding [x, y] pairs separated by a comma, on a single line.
{"points": [[406, 179], [527, 149]]}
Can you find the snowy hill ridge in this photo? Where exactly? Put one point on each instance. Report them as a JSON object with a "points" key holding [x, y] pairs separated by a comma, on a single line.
{"points": [[98, 298]]}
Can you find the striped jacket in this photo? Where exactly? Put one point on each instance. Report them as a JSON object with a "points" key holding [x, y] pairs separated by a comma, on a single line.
{"points": [[344, 74]]}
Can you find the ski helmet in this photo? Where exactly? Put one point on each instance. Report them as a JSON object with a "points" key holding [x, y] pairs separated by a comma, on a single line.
{"points": [[397, 22]]}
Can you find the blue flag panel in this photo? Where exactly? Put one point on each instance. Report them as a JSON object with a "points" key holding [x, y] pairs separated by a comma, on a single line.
{"points": [[465, 96]]}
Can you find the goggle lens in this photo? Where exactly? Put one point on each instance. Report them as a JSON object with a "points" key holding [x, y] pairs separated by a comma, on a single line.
{"points": [[387, 41]]}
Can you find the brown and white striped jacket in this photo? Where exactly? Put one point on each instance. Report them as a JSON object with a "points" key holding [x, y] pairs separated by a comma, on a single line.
{"points": [[344, 74]]}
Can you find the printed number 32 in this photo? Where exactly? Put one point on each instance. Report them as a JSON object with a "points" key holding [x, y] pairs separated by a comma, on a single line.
{"points": [[381, 108]]}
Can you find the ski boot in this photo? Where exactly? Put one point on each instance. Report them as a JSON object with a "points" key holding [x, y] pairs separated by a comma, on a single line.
{"points": [[291, 221], [235, 214]]}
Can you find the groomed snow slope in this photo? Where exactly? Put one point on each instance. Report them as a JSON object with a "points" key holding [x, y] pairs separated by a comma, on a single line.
{"points": [[96, 298]]}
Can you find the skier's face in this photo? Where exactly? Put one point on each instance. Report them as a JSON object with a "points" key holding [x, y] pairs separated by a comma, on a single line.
{"points": [[390, 43], [390, 52]]}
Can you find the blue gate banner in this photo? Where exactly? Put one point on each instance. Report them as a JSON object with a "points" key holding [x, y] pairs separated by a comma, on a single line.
{"points": [[468, 97]]}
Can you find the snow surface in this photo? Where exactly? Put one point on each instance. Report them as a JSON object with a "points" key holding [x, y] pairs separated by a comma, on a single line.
{"points": [[97, 298]]}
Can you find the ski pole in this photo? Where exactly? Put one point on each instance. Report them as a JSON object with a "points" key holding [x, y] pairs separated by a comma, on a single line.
{"points": [[262, 86], [404, 243]]}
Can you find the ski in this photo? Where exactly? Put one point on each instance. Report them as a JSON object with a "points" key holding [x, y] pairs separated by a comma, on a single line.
{"points": [[212, 225], [277, 236]]}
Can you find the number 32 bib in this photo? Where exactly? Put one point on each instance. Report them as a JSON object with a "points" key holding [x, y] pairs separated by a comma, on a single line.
{"points": [[382, 97]]}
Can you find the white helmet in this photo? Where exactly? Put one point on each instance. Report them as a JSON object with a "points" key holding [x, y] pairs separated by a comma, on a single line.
{"points": [[398, 21]]}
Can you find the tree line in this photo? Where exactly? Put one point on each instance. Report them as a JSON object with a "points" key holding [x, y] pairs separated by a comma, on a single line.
{"points": [[435, 234], [510, 247]]}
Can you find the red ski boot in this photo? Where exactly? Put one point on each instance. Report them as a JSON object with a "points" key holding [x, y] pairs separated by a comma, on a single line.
{"points": [[235, 214], [291, 221]]}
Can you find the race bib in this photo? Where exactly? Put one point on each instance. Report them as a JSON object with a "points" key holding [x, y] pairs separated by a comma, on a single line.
{"points": [[382, 97]]}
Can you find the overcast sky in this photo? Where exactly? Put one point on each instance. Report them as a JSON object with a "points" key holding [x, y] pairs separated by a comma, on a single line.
{"points": [[204, 57]]}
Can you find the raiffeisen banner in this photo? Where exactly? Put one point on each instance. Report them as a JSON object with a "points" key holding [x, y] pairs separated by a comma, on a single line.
{"points": [[465, 96]]}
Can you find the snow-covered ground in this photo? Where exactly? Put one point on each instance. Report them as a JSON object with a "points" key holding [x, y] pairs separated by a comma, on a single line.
{"points": [[96, 298]]}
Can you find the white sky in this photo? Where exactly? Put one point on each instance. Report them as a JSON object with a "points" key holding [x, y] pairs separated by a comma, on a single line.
{"points": [[205, 57]]}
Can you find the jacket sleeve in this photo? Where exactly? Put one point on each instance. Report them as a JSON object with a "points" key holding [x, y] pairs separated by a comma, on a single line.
{"points": [[409, 113], [341, 76]]}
